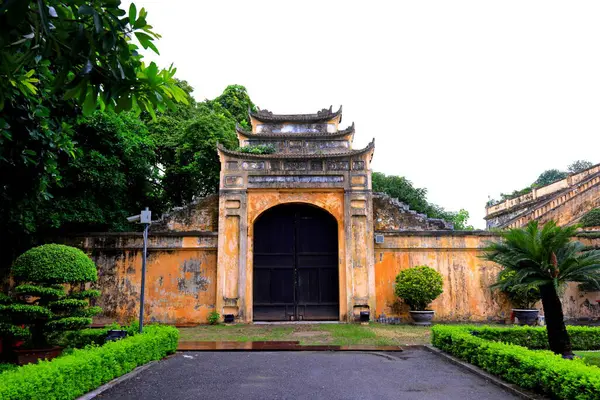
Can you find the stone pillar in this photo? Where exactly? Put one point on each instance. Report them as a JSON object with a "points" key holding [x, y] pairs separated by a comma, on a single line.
{"points": [[231, 258], [360, 252]]}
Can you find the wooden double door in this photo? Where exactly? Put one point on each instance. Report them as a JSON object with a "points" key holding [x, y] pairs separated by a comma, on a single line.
{"points": [[295, 264]]}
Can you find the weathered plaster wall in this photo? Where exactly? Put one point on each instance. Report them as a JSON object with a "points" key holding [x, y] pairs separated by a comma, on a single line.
{"points": [[180, 277], [467, 278]]}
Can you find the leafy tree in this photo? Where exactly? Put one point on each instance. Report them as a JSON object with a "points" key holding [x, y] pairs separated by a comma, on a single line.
{"points": [[187, 139], [550, 176], [40, 309], [402, 189], [579, 165], [57, 61], [547, 258]]}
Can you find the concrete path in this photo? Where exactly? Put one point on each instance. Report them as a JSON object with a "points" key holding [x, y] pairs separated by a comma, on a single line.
{"points": [[412, 374]]}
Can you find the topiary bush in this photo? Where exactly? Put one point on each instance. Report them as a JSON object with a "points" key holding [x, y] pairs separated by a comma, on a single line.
{"points": [[49, 298], [591, 218], [419, 286]]}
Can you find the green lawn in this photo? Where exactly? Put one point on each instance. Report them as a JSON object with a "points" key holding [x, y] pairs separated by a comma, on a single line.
{"points": [[312, 334], [589, 357]]}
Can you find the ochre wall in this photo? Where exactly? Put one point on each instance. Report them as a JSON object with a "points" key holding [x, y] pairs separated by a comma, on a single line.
{"points": [[181, 273], [180, 276], [467, 278]]}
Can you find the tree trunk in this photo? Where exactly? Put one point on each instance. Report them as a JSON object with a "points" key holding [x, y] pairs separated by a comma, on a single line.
{"points": [[558, 337]]}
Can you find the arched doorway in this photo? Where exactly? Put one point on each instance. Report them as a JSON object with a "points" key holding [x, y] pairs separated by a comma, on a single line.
{"points": [[295, 264]]}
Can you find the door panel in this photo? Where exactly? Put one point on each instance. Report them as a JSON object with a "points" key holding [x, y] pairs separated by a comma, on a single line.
{"points": [[295, 265]]}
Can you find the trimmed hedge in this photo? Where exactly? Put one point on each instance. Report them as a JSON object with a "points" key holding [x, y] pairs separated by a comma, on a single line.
{"points": [[539, 370], [536, 338], [75, 374]]}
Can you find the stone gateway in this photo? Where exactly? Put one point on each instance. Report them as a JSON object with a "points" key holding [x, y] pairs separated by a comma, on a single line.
{"points": [[291, 236]]}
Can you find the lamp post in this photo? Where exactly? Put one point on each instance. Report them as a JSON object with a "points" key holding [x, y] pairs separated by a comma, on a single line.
{"points": [[145, 217]]}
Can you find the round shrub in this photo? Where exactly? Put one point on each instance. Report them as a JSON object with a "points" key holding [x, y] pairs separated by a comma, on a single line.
{"points": [[592, 218], [54, 263], [419, 286]]}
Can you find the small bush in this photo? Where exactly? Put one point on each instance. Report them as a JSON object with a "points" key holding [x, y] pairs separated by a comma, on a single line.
{"points": [[214, 317], [54, 263], [592, 218], [419, 286], [538, 370], [75, 374]]}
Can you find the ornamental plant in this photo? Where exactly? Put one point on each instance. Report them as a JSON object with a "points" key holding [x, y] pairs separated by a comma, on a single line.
{"points": [[547, 257], [419, 286], [49, 297], [521, 296]]}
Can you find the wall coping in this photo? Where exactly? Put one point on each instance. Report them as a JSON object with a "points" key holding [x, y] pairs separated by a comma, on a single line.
{"points": [[150, 234], [438, 233]]}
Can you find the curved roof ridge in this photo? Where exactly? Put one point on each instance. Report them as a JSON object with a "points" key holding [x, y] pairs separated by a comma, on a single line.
{"points": [[348, 130], [320, 116], [346, 153]]}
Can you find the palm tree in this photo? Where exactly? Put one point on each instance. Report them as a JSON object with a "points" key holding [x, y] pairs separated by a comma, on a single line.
{"points": [[547, 258]]}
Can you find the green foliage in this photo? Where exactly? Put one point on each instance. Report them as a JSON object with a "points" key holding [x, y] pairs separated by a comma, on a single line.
{"points": [[418, 286], [40, 303], [68, 324], [257, 149], [75, 374], [550, 176], [521, 296], [545, 178], [579, 165], [54, 263], [214, 318], [59, 60], [546, 258], [591, 218], [4, 299], [85, 294], [537, 370], [33, 290], [187, 147], [536, 338], [85, 337], [402, 189]]}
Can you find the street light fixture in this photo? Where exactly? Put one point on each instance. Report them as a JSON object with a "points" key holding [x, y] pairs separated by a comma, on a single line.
{"points": [[145, 218]]}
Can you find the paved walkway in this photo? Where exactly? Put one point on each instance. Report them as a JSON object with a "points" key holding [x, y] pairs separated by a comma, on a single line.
{"points": [[412, 374]]}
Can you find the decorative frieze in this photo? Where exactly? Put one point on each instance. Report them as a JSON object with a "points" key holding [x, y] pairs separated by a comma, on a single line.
{"points": [[232, 165], [294, 165], [337, 165], [358, 165], [233, 181], [316, 165], [295, 179], [253, 165]]}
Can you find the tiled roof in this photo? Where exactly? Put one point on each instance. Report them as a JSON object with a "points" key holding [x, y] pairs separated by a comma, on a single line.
{"points": [[346, 153], [320, 116], [324, 135]]}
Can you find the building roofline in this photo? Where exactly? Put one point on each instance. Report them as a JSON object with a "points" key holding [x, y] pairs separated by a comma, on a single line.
{"points": [[325, 135], [320, 116], [296, 156]]}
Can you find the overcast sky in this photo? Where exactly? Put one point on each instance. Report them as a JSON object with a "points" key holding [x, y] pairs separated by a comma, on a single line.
{"points": [[465, 98]]}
